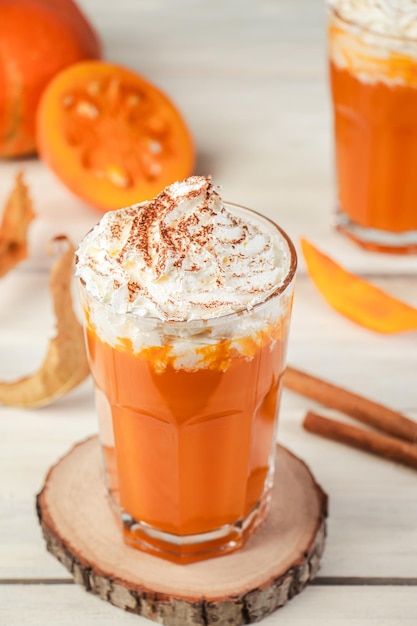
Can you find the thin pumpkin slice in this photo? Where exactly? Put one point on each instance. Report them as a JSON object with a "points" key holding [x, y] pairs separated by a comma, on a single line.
{"points": [[111, 136], [65, 364], [355, 298], [18, 214]]}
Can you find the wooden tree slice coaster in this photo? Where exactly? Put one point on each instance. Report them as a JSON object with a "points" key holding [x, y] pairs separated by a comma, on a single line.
{"points": [[82, 532]]}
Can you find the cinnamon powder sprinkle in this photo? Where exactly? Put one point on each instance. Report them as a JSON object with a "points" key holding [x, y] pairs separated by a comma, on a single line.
{"points": [[182, 253]]}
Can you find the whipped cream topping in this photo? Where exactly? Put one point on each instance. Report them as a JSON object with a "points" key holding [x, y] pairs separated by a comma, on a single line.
{"points": [[395, 18], [184, 255]]}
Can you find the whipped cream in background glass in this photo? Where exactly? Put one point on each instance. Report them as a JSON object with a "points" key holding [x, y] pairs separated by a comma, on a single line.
{"points": [[396, 18], [375, 39]]}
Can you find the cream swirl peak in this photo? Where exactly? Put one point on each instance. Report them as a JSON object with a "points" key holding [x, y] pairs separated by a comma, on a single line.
{"points": [[181, 256], [395, 18]]}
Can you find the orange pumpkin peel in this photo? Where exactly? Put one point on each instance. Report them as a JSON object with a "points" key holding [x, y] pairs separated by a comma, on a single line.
{"points": [[65, 364], [17, 215], [355, 298]]}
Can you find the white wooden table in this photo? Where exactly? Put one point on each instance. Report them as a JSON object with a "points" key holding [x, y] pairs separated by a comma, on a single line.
{"points": [[250, 78]]}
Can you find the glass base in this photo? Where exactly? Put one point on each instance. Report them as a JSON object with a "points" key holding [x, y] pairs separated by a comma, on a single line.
{"points": [[376, 240], [191, 548]]}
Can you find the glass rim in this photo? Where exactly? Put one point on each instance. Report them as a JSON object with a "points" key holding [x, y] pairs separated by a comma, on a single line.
{"points": [[366, 29], [227, 317]]}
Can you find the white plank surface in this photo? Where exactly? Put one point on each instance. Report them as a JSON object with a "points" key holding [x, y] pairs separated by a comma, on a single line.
{"points": [[66, 605], [251, 80]]}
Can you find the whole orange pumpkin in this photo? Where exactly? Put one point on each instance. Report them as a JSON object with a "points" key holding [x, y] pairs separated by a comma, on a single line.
{"points": [[38, 38]]}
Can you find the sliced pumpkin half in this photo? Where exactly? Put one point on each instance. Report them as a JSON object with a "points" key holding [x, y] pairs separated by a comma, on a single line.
{"points": [[112, 137]]}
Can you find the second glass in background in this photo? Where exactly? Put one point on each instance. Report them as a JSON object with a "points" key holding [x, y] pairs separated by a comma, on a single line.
{"points": [[374, 89]]}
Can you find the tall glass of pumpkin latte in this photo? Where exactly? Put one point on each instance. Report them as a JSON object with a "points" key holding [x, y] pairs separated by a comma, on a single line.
{"points": [[187, 303], [373, 74]]}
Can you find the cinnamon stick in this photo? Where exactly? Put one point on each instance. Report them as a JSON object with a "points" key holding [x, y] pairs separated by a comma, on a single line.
{"points": [[358, 407], [369, 441]]}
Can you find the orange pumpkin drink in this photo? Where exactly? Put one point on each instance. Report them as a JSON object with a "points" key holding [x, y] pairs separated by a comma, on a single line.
{"points": [[373, 72], [187, 303]]}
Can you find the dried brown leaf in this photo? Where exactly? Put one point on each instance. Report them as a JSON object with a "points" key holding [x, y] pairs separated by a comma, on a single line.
{"points": [[65, 364], [17, 215]]}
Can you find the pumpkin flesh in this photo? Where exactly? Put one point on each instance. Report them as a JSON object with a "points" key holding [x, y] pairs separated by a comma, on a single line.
{"points": [[111, 136]]}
